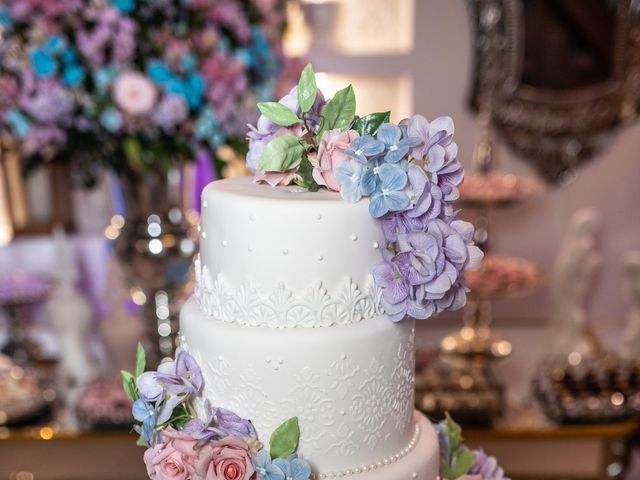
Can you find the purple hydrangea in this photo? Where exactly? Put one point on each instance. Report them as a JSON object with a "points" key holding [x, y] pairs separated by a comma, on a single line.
{"points": [[171, 385], [170, 112], [220, 423], [424, 273], [487, 467]]}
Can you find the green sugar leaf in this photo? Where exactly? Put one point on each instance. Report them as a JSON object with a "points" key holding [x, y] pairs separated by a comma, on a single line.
{"points": [[339, 111], [129, 385], [141, 360], [307, 89], [282, 153], [278, 113], [369, 124], [284, 439]]}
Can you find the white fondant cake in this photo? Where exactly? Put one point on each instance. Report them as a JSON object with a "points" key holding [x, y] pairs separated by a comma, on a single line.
{"points": [[286, 322]]}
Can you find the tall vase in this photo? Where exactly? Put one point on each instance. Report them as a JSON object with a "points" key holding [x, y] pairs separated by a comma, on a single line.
{"points": [[156, 247]]}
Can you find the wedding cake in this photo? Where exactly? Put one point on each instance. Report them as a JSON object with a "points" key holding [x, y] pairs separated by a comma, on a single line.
{"points": [[297, 348], [287, 320]]}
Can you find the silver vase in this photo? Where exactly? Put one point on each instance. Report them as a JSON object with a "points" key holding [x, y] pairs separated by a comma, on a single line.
{"points": [[156, 247]]}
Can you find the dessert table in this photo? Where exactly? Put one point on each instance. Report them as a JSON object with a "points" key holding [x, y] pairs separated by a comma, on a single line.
{"points": [[588, 452]]}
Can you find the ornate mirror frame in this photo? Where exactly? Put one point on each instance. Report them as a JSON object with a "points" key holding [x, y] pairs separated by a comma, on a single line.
{"points": [[555, 130]]}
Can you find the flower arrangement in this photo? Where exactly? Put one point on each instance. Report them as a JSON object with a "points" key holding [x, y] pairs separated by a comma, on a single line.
{"points": [[182, 446], [409, 171], [139, 81], [459, 462]]}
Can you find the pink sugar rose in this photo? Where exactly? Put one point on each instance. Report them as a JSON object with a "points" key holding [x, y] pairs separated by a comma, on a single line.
{"points": [[175, 459], [225, 459], [330, 155]]}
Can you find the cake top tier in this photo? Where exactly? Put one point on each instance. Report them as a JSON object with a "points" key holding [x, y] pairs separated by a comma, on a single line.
{"points": [[286, 251]]}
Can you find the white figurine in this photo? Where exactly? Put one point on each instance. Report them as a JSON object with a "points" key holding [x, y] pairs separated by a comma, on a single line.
{"points": [[631, 341], [70, 314], [576, 264]]}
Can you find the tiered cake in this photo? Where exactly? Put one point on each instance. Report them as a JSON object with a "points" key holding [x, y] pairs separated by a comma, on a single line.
{"points": [[286, 321]]}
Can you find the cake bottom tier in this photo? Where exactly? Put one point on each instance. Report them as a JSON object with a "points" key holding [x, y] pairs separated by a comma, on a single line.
{"points": [[420, 460]]}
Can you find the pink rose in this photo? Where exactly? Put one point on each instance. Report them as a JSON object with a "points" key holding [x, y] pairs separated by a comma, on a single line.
{"points": [[225, 459], [330, 155], [134, 93], [174, 459]]}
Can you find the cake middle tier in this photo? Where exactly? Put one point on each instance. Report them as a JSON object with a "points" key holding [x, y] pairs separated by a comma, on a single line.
{"points": [[284, 257], [351, 386]]}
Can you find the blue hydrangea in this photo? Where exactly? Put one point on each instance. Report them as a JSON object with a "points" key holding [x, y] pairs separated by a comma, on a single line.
{"points": [[104, 77], [389, 195], [349, 175], [265, 469], [364, 148], [144, 413], [294, 468], [396, 147]]}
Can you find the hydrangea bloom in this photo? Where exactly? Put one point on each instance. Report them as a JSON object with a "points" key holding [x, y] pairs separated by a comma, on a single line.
{"points": [[294, 468], [265, 468], [487, 467]]}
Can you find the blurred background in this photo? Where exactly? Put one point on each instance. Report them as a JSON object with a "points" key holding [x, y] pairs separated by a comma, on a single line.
{"points": [[114, 114]]}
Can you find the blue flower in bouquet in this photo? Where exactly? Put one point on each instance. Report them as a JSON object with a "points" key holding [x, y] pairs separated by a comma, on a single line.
{"points": [[294, 468], [188, 62], [55, 45], [18, 122], [349, 176], [125, 6], [73, 75], [390, 195], [159, 72], [397, 147], [111, 119], [144, 413], [206, 125], [103, 77], [363, 148], [5, 18], [266, 469], [44, 65], [193, 90]]}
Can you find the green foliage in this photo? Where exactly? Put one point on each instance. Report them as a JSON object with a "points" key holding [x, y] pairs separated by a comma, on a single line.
{"points": [[282, 153], [129, 385], [339, 111], [284, 439], [460, 459], [306, 176], [369, 124], [307, 89], [141, 360], [278, 113]]}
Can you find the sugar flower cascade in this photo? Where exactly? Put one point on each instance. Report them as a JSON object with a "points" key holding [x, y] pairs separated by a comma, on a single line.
{"points": [[408, 171], [223, 446]]}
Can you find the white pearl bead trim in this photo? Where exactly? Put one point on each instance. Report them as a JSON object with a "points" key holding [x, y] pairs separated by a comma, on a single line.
{"points": [[374, 465]]}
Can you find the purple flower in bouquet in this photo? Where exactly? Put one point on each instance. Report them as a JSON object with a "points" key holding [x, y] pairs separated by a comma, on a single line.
{"points": [[48, 103], [220, 423], [487, 467], [170, 112], [395, 289], [232, 424]]}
